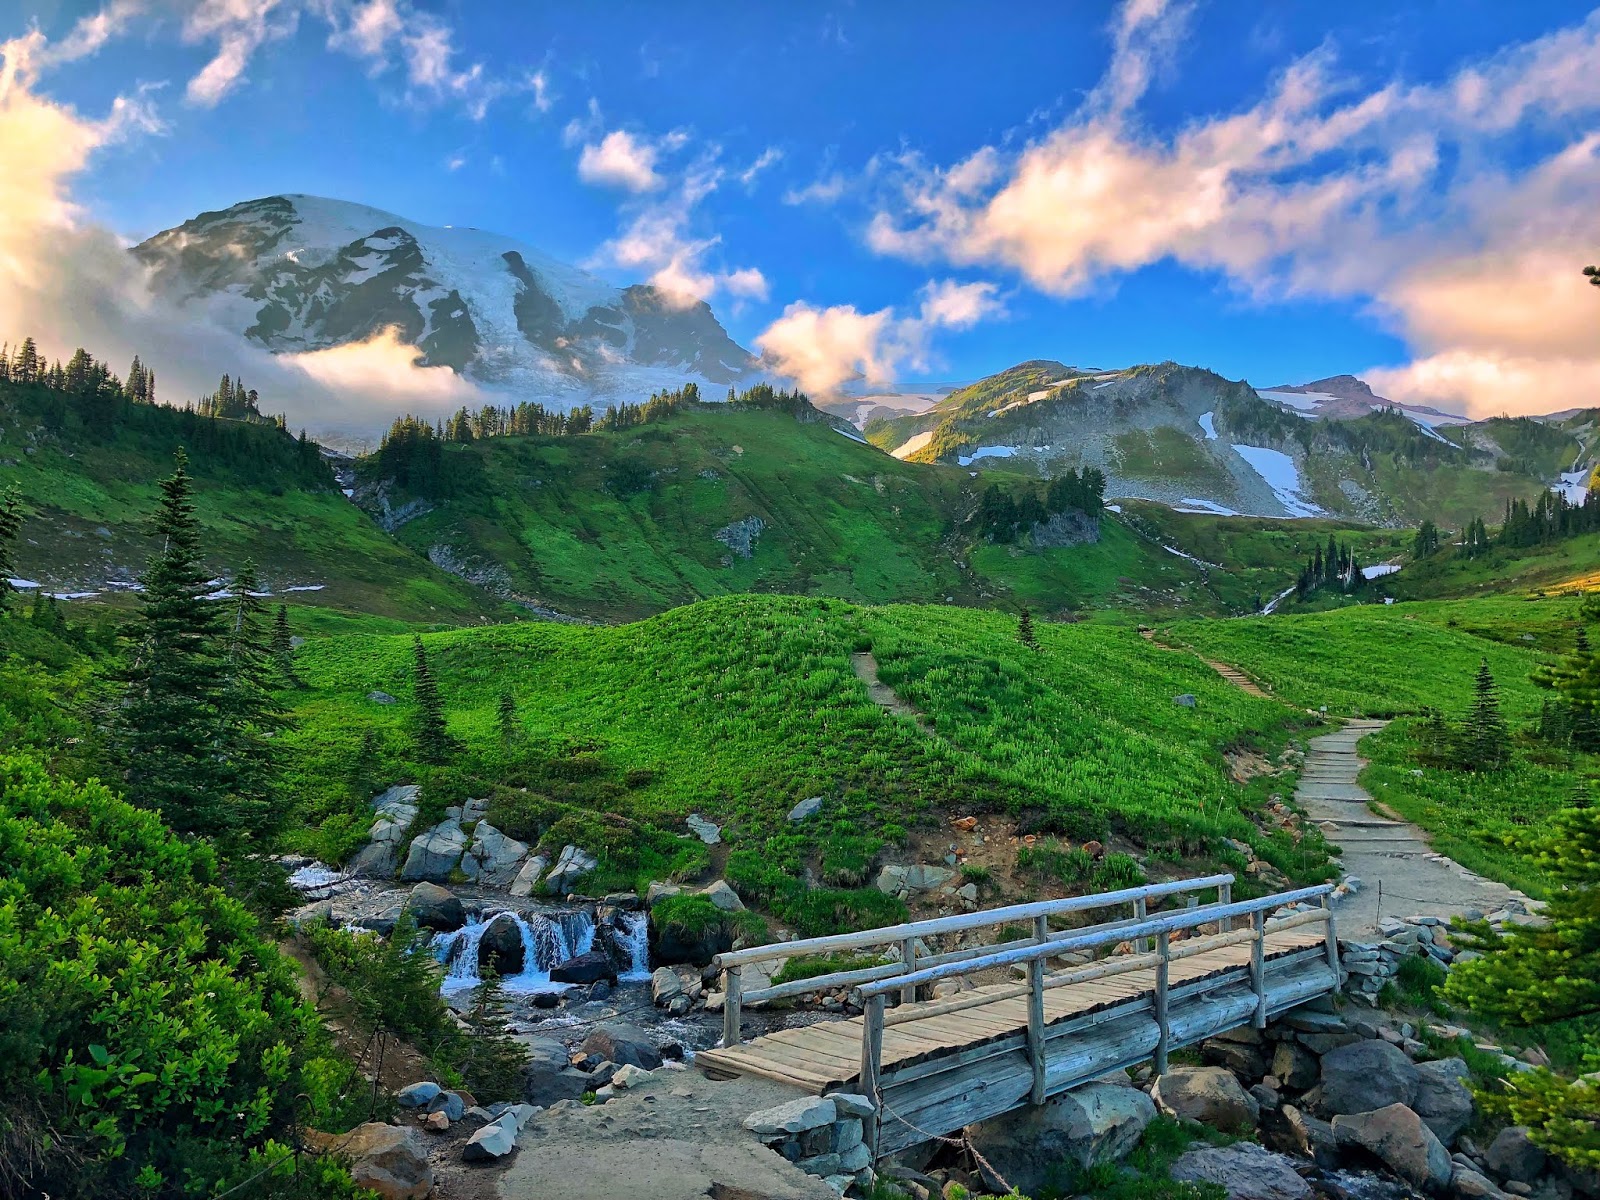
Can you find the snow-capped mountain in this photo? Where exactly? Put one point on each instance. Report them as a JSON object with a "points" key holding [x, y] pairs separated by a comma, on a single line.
{"points": [[302, 273], [1345, 397]]}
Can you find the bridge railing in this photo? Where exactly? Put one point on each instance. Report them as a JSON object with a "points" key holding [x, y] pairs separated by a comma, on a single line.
{"points": [[906, 935], [875, 993]]}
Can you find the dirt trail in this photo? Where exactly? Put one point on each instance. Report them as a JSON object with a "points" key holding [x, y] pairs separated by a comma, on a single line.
{"points": [[1401, 875], [1232, 674], [866, 668]]}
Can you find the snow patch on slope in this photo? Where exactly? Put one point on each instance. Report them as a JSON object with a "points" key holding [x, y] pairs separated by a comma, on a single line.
{"points": [[912, 444], [1208, 426], [989, 452], [1574, 485], [1281, 475]]}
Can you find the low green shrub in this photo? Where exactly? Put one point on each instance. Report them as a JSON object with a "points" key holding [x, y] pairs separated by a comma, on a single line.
{"points": [[811, 966], [152, 1038]]}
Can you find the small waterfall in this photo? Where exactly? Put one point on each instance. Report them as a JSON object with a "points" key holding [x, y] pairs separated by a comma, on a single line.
{"points": [[547, 939], [634, 938]]}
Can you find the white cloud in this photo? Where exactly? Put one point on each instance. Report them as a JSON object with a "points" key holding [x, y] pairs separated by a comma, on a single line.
{"points": [[239, 28], [767, 158], [1417, 200], [823, 348], [456, 161], [539, 85], [825, 190], [747, 283], [621, 159]]}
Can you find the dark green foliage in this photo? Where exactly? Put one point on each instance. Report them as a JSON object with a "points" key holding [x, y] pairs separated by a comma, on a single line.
{"points": [[1427, 540], [283, 647], [249, 714], [10, 524], [152, 1039], [168, 722], [1485, 745], [393, 983], [1025, 633], [506, 718], [1004, 516], [432, 739], [809, 967]]}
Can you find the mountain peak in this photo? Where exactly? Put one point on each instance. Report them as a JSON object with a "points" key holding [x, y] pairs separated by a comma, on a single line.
{"points": [[297, 272]]}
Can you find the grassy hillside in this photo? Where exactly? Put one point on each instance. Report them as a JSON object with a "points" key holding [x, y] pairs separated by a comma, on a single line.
{"points": [[87, 469], [1402, 659], [716, 501], [740, 707]]}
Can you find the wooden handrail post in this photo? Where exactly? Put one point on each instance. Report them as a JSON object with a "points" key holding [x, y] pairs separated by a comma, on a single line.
{"points": [[1140, 911], [1225, 896], [1258, 974], [730, 1006], [1163, 1029], [1332, 936], [871, 1065], [1041, 931], [908, 959]]}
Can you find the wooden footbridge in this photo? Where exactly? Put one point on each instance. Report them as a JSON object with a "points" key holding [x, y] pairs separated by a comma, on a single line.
{"points": [[933, 1066]]}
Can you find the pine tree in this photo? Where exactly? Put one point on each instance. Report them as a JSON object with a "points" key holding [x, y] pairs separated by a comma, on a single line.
{"points": [[166, 728], [510, 727], [1576, 677], [10, 526], [283, 647], [1484, 743], [1025, 630], [27, 366], [248, 713], [433, 740], [1534, 976]]}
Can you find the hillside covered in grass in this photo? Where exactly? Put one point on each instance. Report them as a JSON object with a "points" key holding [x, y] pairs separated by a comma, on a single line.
{"points": [[87, 466], [712, 500], [1411, 660], [738, 708]]}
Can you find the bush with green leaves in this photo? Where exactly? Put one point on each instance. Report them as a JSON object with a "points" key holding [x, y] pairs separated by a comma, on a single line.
{"points": [[152, 1038]]}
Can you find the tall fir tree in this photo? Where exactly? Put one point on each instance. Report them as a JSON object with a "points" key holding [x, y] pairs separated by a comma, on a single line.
{"points": [[506, 716], [10, 526], [249, 715], [1485, 745], [165, 731], [433, 739], [283, 647], [1025, 633]]}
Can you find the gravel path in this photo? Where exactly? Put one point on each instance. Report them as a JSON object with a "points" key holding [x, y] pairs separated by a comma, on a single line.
{"points": [[1401, 876]]}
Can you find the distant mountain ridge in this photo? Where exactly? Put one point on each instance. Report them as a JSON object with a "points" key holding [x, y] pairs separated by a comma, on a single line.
{"points": [[299, 273], [1345, 397]]}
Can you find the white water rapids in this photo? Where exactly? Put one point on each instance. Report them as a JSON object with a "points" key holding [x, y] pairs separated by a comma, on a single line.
{"points": [[547, 941]]}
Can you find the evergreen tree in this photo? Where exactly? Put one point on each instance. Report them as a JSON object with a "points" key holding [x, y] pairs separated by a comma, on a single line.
{"points": [[10, 526], [1426, 541], [1025, 630], [433, 740], [1484, 743], [507, 717], [27, 366], [1534, 976], [283, 647], [1576, 677], [249, 714], [166, 728]]}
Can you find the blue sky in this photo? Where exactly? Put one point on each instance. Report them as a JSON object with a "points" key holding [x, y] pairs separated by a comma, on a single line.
{"points": [[1278, 192]]}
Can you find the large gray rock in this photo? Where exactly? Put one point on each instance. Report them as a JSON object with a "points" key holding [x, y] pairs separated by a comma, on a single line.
{"points": [[809, 807], [624, 1045], [389, 1159], [1471, 1185], [665, 986], [571, 865], [434, 855], [494, 1141], [659, 891], [1294, 1065], [722, 896], [1095, 1123], [1245, 1170], [1308, 1136], [590, 967], [434, 907], [493, 859], [1367, 1075], [1209, 1095], [527, 877], [797, 1116], [1443, 1099], [393, 811], [901, 881], [1512, 1155], [1397, 1137], [500, 949], [708, 832]]}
